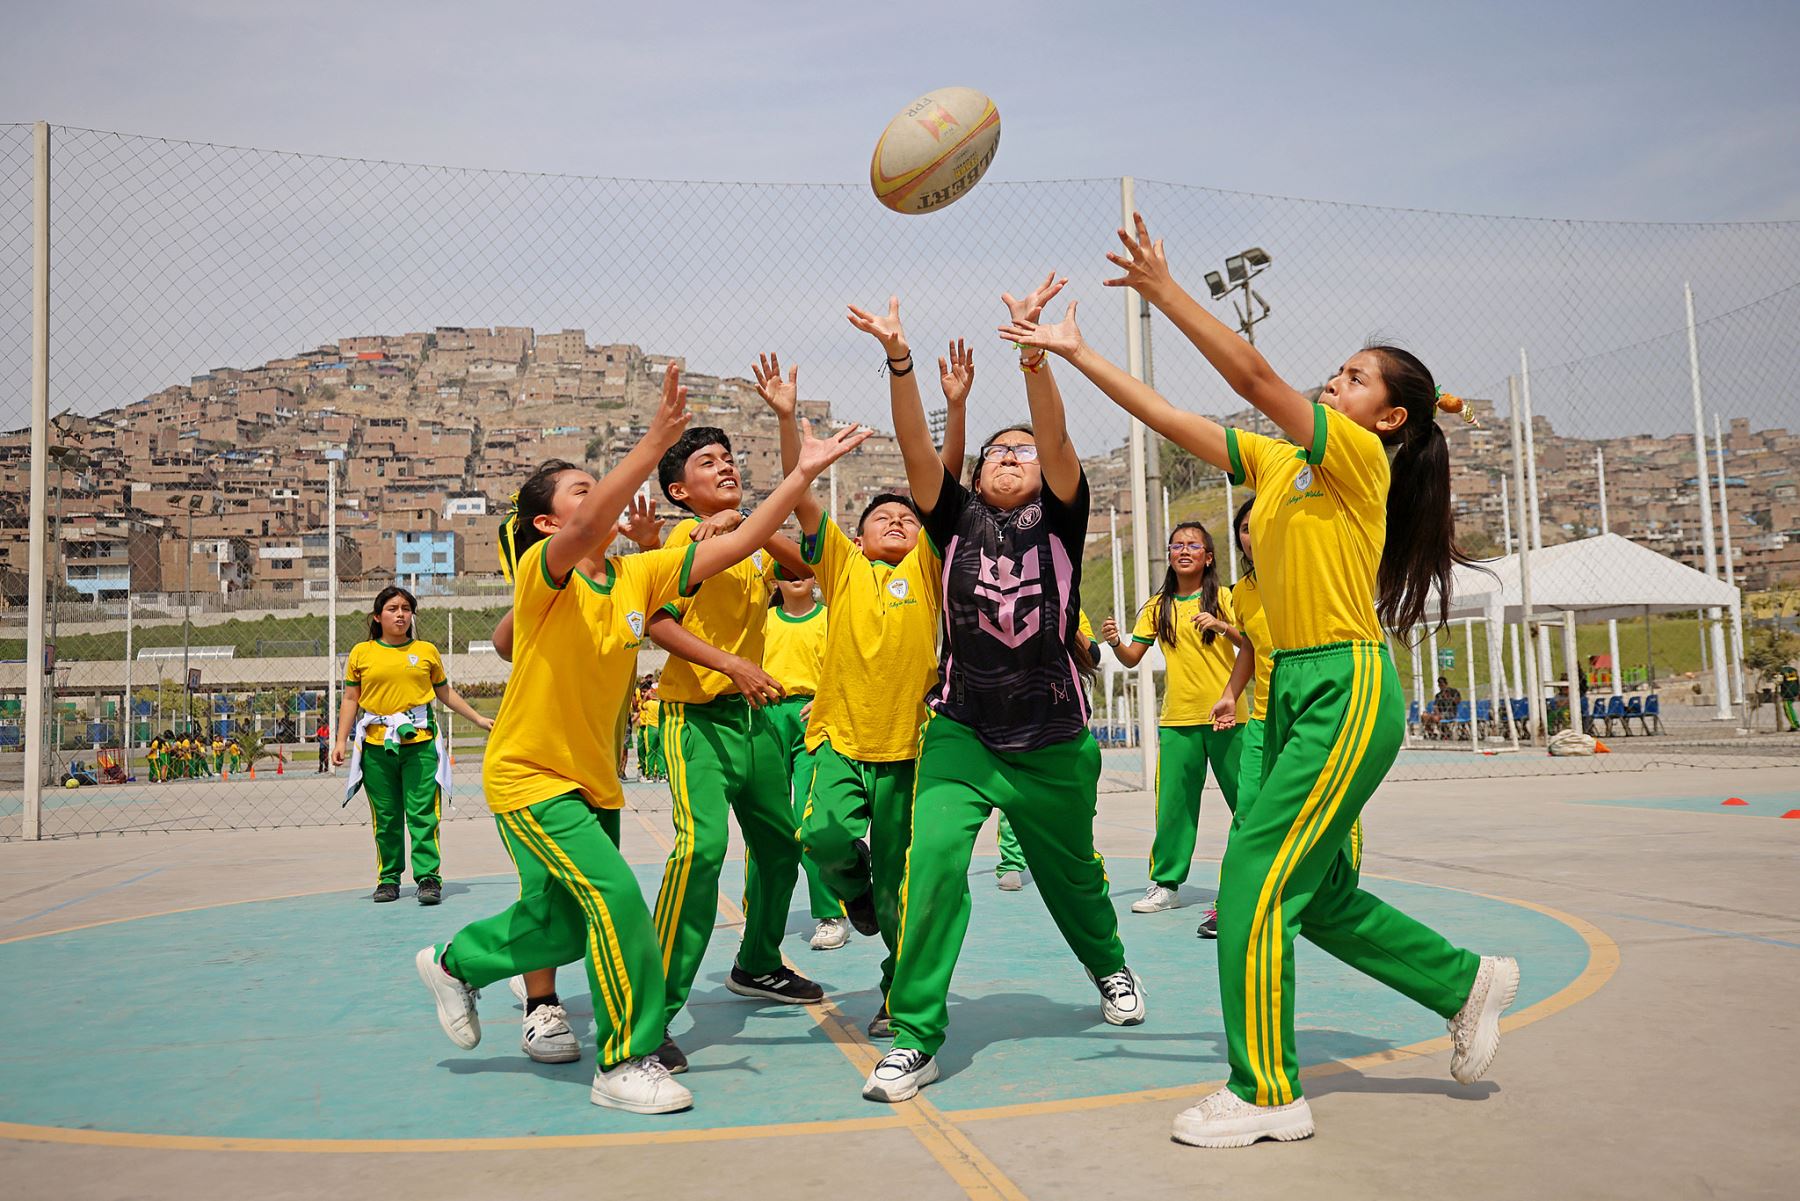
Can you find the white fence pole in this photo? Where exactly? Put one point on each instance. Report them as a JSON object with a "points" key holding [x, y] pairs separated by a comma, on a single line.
{"points": [[1714, 618], [1533, 690], [39, 574], [1140, 502]]}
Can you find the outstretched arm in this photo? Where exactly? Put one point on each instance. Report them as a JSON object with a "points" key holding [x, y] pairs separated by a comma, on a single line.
{"points": [[783, 398], [1056, 451], [956, 375], [1128, 653], [591, 526], [1146, 268], [1200, 436], [924, 470]]}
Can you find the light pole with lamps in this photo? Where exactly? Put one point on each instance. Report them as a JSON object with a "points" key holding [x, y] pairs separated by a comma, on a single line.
{"points": [[1240, 269]]}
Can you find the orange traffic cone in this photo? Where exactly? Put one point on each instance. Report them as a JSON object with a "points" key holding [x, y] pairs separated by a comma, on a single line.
{"points": [[253, 771], [1734, 800], [1792, 813], [278, 762]]}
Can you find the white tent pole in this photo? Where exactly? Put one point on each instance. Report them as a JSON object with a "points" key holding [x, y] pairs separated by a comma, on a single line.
{"points": [[1474, 696], [1721, 685], [1533, 692], [1418, 674], [1612, 623], [1431, 659], [1737, 627], [1572, 666], [1497, 672], [1533, 537]]}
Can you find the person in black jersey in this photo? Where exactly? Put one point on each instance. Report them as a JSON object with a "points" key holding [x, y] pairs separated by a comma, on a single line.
{"points": [[1008, 714]]}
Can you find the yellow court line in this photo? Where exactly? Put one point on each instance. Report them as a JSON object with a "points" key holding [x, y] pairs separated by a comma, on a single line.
{"points": [[977, 1175], [936, 1129]]}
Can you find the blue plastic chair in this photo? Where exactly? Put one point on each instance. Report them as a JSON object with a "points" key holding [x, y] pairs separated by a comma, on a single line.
{"points": [[1484, 717], [1460, 723], [1653, 713], [1412, 718], [1615, 711]]}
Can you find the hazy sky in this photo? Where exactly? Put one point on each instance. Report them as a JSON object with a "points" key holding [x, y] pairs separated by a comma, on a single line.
{"points": [[1650, 110]]}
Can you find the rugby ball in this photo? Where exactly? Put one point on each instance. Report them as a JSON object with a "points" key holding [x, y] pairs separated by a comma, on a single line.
{"points": [[935, 150]]}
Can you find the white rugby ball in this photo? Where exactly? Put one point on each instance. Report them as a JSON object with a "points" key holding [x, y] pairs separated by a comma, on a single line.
{"points": [[935, 150]]}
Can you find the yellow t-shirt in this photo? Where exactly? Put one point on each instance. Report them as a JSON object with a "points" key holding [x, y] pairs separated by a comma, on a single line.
{"points": [[727, 612], [1318, 524], [393, 678], [794, 649], [575, 644], [1085, 626], [650, 713], [880, 649], [1197, 672], [1253, 619]]}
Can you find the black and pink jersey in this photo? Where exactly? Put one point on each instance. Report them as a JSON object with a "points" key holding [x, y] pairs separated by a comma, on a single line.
{"points": [[1012, 604]]}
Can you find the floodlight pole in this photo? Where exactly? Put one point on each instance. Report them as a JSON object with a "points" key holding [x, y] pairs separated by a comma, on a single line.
{"points": [[1140, 502], [31, 801], [1721, 685], [1737, 615]]}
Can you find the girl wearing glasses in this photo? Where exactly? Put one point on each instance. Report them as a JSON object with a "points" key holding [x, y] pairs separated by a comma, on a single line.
{"points": [[1353, 530], [1192, 619], [1008, 715]]}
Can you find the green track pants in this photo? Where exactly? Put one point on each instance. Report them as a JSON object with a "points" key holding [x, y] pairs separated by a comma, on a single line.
{"points": [[790, 731], [578, 899], [401, 785], [1049, 795], [723, 757], [848, 799], [1012, 858], [1334, 725], [1183, 754]]}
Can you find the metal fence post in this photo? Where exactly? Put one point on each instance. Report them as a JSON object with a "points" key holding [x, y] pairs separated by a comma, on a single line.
{"points": [[33, 799], [1140, 508]]}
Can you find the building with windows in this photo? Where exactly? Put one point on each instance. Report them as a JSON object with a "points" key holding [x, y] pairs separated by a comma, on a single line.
{"points": [[425, 560]]}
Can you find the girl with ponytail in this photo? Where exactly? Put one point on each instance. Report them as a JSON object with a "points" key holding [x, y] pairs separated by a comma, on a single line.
{"points": [[1346, 540], [1192, 619]]}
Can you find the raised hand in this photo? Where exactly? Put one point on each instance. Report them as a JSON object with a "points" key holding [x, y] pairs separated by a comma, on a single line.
{"points": [[1063, 338], [671, 416], [816, 454], [1109, 632], [886, 330], [957, 374], [781, 396], [722, 522], [1030, 307], [1145, 265], [642, 525]]}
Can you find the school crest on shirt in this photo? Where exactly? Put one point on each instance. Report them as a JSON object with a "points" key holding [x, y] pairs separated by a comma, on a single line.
{"points": [[635, 620], [412, 660], [756, 560], [898, 588], [1303, 481], [1030, 515]]}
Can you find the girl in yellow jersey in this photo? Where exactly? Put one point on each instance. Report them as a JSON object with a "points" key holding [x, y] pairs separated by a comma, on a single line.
{"points": [[1192, 619], [650, 757], [794, 653], [1347, 540], [400, 762], [578, 619]]}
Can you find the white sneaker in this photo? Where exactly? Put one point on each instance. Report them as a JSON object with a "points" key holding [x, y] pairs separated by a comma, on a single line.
{"points": [[517, 984], [1156, 898], [1121, 997], [455, 1000], [1475, 1030], [831, 933], [639, 1086], [1227, 1120], [900, 1075], [547, 1037], [1010, 881]]}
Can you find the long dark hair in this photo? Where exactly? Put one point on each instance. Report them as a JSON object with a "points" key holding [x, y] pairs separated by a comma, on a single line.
{"points": [[1171, 587], [381, 599], [535, 498], [1237, 524], [1421, 545]]}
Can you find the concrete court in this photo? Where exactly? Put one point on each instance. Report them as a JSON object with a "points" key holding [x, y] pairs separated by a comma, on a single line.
{"points": [[1670, 1074]]}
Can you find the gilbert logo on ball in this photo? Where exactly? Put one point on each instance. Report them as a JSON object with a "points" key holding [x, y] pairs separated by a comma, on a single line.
{"points": [[935, 150]]}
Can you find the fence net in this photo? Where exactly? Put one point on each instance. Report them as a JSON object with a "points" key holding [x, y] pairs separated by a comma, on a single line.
{"points": [[225, 321]]}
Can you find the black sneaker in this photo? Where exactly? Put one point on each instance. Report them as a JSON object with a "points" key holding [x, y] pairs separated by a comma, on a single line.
{"points": [[431, 892], [1209, 925], [385, 892], [670, 1056], [882, 1027], [783, 984], [861, 911]]}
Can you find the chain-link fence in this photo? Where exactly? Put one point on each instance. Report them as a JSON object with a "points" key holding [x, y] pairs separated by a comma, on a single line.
{"points": [[229, 327]]}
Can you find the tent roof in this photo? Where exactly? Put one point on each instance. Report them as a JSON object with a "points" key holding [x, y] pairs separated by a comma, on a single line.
{"points": [[1606, 576]]}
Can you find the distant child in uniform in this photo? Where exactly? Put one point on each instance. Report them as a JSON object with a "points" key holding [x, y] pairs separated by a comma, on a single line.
{"points": [[1347, 540], [1191, 618], [399, 762], [794, 653]]}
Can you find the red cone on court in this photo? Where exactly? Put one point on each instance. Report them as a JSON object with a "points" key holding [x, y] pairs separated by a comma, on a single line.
{"points": [[1792, 813], [1734, 800]]}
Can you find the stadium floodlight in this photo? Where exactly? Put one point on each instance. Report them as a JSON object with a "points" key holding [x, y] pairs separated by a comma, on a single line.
{"points": [[1240, 269], [1216, 284], [1234, 269], [1256, 256]]}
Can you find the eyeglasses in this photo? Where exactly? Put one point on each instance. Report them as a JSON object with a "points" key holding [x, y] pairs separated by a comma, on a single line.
{"points": [[1022, 452], [1193, 548]]}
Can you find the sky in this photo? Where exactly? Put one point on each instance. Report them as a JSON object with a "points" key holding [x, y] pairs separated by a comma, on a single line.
{"points": [[1609, 118], [1655, 110]]}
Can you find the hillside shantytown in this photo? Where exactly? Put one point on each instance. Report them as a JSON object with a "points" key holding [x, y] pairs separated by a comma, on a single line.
{"points": [[216, 488]]}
